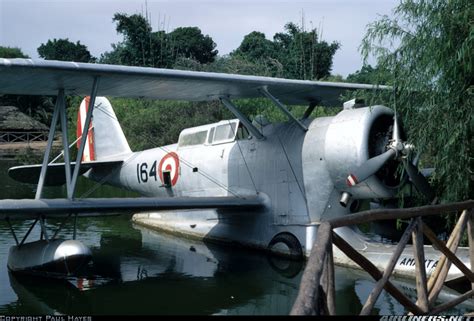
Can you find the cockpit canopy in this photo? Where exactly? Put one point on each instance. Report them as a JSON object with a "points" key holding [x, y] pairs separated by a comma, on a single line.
{"points": [[225, 131]]}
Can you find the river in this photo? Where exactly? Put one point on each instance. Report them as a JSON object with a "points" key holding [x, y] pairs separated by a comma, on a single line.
{"points": [[136, 270]]}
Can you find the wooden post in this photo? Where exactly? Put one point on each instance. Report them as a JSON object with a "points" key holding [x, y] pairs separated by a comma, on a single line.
{"points": [[331, 291], [470, 234], [306, 302], [452, 303], [438, 277], [369, 267], [450, 255], [373, 296], [328, 281], [420, 268]]}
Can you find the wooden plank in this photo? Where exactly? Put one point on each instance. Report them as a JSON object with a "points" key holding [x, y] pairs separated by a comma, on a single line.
{"points": [[470, 234], [369, 267], [453, 242], [442, 260], [450, 255], [448, 305], [373, 296], [420, 268], [306, 302], [399, 213]]}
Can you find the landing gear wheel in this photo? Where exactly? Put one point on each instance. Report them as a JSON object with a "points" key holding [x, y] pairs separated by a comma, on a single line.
{"points": [[286, 244]]}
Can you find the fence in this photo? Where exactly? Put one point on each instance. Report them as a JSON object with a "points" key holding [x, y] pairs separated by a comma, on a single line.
{"points": [[23, 137], [317, 290]]}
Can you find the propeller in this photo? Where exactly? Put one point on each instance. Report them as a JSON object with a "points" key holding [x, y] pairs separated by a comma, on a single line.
{"points": [[397, 149]]}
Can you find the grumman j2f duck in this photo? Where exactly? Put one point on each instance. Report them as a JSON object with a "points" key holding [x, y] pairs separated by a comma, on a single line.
{"points": [[255, 184]]}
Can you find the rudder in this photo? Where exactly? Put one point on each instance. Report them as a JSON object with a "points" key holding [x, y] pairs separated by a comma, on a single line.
{"points": [[105, 139]]}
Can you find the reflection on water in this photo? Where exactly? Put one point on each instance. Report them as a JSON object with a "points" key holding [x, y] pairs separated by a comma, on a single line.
{"points": [[136, 270]]}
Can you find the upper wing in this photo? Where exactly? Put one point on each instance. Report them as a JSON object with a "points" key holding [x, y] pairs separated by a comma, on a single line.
{"points": [[46, 77], [29, 209]]}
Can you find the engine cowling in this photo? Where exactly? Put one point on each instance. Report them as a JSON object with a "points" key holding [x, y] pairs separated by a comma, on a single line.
{"points": [[352, 137]]}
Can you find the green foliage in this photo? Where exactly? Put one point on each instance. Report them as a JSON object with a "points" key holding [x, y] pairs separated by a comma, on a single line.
{"points": [[38, 107], [65, 50], [152, 123], [189, 42], [143, 47], [370, 75], [427, 48], [254, 46], [292, 54], [8, 52]]}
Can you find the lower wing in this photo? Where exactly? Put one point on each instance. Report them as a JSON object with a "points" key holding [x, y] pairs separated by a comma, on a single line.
{"points": [[24, 209]]}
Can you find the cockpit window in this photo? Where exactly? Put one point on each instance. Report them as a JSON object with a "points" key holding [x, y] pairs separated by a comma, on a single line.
{"points": [[191, 139], [224, 133]]}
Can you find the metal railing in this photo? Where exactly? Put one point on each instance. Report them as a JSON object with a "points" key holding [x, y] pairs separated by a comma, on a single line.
{"points": [[23, 137]]}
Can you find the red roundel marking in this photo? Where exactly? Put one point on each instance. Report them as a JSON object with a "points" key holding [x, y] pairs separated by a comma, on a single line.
{"points": [[170, 162]]}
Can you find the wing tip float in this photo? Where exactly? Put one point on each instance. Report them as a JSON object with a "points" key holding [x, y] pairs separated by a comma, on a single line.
{"points": [[46, 77]]}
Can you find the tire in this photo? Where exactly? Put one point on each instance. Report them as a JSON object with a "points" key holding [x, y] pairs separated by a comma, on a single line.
{"points": [[286, 244], [285, 267]]}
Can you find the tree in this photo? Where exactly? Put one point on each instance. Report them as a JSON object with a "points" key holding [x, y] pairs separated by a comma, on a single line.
{"points": [[292, 54], [65, 50], [432, 71], [255, 46], [305, 57], [8, 52], [143, 47], [370, 75], [189, 42], [38, 107]]}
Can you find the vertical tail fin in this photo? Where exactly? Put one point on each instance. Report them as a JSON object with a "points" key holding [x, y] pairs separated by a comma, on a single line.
{"points": [[105, 139]]}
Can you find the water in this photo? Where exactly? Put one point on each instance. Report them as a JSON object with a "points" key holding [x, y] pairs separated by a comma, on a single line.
{"points": [[136, 270]]}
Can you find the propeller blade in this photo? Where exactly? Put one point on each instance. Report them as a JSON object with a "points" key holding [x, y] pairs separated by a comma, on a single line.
{"points": [[420, 182], [396, 130], [369, 168]]}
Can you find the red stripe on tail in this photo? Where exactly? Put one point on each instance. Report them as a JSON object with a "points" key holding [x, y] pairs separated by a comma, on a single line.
{"points": [[90, 136]]}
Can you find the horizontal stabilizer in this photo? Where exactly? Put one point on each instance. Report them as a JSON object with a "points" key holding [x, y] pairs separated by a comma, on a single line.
{"points": [[29, 209], [55, 174]]}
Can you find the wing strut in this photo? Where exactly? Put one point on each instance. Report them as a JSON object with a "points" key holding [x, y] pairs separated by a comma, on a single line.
{"points": [[87, 123], [60, 114], [241, 117], [309, 110], [52, 129], [282, 107]]}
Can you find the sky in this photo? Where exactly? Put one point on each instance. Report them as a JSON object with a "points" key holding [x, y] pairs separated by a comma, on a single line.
{"points": [[27, 24]]}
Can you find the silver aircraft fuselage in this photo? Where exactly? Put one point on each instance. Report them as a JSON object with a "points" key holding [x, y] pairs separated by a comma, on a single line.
{"points": [[301, 175]]}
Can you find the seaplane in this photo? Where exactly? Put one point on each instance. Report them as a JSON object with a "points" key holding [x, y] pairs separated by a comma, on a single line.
{"points": [[244, 182]]}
